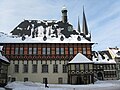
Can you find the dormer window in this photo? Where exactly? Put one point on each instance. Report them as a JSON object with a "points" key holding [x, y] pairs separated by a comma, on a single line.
{"points": [[118, 53]]}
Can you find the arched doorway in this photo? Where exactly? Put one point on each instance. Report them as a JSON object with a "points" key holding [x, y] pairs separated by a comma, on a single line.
{"points": [[100, 75]]}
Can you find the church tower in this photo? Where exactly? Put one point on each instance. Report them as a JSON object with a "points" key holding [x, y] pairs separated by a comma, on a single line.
{"points": [[84, 28], [64, 14], [85, 32]]}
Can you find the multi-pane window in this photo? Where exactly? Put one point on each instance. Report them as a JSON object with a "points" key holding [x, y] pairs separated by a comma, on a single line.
{"points": [[72, 67], [16, 68], [57, 51], [86, 67], [77, 67], [16, 50], [48, 51], [64, 69], [34, 68], [62, 50], [71, 50], [25, 68], [44, 51], [30, 50], [60, 80], [25, 79], [84, 51], [90, 66], [55, 68], [34, 50], [45, 68], [81, 67], [21, 51]]}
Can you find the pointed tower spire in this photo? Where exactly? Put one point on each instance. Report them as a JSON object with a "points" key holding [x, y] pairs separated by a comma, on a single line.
{"points": [[84, 28], [79, 30]]}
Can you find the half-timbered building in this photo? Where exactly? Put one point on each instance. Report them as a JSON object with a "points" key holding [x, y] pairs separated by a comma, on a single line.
{"points": [[4, 62], [104, 66]]}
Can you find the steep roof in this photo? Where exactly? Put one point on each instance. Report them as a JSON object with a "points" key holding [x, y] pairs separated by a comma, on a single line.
{"points": [[85, 27], [16, 39], [80, 58], [102, 57], [48, 31], [115, 52]]}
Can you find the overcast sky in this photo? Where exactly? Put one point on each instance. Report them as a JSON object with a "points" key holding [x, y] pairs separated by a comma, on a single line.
{"points": [[103, 16]]}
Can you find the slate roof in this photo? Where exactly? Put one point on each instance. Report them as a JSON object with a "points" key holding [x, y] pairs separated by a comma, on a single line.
{"points": [[102, 57]]}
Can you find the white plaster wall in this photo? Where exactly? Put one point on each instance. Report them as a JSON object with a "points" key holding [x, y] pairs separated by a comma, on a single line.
{"points": [[38, 77]]}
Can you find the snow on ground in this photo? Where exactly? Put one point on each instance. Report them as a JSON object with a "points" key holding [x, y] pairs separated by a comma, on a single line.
{"points": [[99, 85], [2, 88]]}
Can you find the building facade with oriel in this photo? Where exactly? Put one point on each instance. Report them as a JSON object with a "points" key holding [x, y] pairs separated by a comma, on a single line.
{"points": [[42, 49]]}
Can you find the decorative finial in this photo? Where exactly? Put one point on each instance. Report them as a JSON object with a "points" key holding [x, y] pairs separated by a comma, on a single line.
{"points": [[64, 7]]}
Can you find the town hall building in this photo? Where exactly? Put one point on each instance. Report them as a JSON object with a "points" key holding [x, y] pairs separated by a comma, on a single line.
{"points": [[51, 50]]}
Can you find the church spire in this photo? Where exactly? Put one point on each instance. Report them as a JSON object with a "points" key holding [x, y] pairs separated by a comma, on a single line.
{"points": [[79, 30], [84, 28]]}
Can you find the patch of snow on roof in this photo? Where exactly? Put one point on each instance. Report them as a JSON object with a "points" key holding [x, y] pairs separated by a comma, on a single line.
{"points": [[99, 59], [80, 58], [39, 39], [114, 51]]}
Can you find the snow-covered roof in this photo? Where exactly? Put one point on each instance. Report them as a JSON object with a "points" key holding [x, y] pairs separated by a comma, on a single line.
{"points": [[3, 58], [102, 59], [80, 58], [1, 48], [16, 39], [115, 52]]}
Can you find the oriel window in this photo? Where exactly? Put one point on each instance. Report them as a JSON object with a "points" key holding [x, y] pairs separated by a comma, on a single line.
{"points": [[77, 67]]}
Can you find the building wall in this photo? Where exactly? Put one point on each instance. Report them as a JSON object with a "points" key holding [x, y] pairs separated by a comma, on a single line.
{"points": [[118, 67], [40, 59], [105, 71], [3, 73], [81, 73], [38, 77]]}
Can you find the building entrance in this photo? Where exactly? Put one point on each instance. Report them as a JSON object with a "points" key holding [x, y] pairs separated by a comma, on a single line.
{"points": [[100, 75]]}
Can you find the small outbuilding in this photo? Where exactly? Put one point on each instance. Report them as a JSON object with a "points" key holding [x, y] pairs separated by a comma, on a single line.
{"points": [[80, 70]]}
